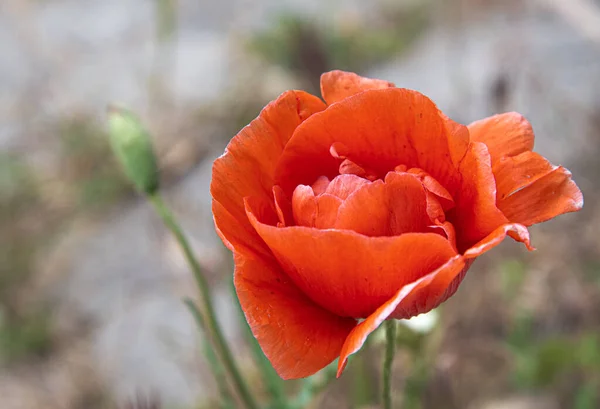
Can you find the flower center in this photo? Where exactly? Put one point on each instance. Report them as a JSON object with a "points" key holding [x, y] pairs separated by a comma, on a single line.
{"points": [[404, 201]]}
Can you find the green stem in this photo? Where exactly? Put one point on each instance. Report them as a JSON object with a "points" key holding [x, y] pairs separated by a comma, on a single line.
{"points": [[390, 349], [211, 320], [216, 367]]}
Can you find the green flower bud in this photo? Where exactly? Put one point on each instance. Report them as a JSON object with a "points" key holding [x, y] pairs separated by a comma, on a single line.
{"points": [[132, 145]]}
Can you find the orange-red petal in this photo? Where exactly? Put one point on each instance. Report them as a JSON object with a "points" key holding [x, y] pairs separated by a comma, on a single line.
{"points": [[343, 186], [314, 211], [379, 130], [475, 215], [517, 172], [441, 193], [427, 292], [386, 209], [403, 299], [531, 190], [248, 164], [283, 206], [448, 230], [237, 237], [547, 197], [338, 85], [320, 185], [459, 138], [506, 134], [296, 335], [345, 272], [515, 230]]}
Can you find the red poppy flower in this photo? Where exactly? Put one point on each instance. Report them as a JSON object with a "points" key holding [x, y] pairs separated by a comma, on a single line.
{"points": [[369, 206]]}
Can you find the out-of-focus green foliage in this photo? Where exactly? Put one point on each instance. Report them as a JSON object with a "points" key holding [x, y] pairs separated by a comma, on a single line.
{"points": [[308, 49], [29, 224], [21, 334], [19, 195], [166, 19], [28, 336], [512, 274], [545, 363], [90, 166]]}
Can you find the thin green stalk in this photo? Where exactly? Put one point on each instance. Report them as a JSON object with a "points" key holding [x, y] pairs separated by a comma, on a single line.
{"points": [[216, 367], [424, 355], [390, 349], [211, 320], [360, 386]]}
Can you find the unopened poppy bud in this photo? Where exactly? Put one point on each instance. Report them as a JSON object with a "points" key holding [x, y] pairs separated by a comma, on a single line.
{"points": [[131, 144]]}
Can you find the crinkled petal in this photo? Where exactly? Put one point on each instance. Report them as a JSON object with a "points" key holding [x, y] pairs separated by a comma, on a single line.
{"points": [[448, 230], [345, 272], [314, 211], [304, 206], [458, 136], [320, 185], [296, 335], [531, 190], [429, 291], [338, 85], [283, 206], [475, 215], [517, 172], [237, 237], [544, 199], [386, 209], [379, 130], [343, 186], [515, 230], [248, 164], [506, 134], [404, 298]]}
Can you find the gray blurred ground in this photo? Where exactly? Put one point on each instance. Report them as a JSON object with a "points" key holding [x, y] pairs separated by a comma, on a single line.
{"points": [[121, 277]]}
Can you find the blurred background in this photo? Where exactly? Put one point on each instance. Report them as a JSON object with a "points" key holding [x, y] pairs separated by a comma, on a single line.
{"points": [[91, 282]]}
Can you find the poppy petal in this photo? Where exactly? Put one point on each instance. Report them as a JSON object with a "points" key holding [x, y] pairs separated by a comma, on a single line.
{"points": [[237, 237], [314, 211], [338, 85], [304, 206], [283, 207], [343, 186], [320, 185], [515, 173], [356, 273], [296, 335], [248, 164], [433, 186], [546, 198], [379, 130], [475, 215], [515, 230], [386, 209], [441, 278], [327, 211], [448, 230], [458, 138], [506, 134]]}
